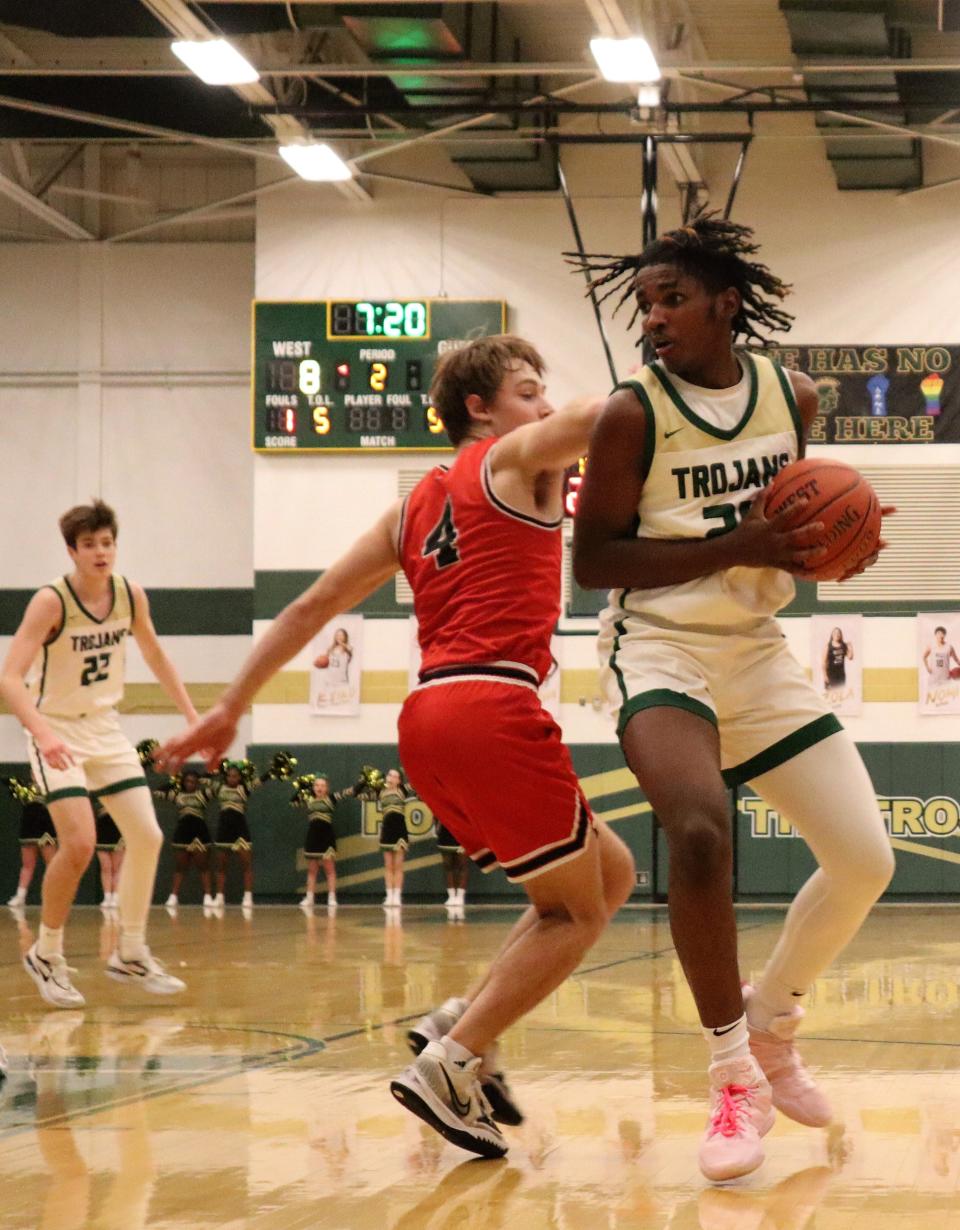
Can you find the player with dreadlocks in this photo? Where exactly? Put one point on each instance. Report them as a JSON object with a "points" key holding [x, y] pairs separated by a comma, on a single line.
{"points": [[707, 694]]}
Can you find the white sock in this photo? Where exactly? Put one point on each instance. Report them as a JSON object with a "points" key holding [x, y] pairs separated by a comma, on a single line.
{"points": [[455, 1052], [727, 1041], [247, 899], [50, 941], [20, 895], [331, 898], [133, 943], [461, 894], [771, 999]]}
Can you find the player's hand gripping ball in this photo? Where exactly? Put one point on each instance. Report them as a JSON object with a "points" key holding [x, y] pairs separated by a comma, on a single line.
{"points": [[840, 497]]}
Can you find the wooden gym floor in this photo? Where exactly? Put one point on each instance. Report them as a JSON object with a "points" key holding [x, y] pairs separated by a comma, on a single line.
{"points": [[260, 1101]]}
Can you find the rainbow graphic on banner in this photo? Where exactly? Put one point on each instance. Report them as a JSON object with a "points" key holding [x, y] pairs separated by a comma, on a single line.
{"points": [[931, 387]]}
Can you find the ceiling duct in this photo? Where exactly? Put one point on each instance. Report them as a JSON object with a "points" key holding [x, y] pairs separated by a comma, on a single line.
{"points": [[847, 30], [434, 35]]}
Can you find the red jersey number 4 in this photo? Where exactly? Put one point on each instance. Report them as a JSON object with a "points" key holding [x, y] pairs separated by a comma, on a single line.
{"points": [[441, 542]]}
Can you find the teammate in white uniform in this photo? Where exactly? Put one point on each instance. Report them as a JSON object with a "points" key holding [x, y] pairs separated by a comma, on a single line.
{"points": [[63, 678], [937, 658], [693, 662]]}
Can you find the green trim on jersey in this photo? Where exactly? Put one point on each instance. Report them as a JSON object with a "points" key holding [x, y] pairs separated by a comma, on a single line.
{"points": [[133, 605], [128, 783], [68, 792], [691, 415], [649, 423], [662, 698], [790, 398], [783, 750], [93, 618], [63, 615], [619, 629]]}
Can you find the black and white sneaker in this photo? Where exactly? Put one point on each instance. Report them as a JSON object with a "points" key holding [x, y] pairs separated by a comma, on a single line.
{"points": [[447, 1096], [436, 1024], [498, 1093], [52, 976], [3, 1063], [145, 972]]}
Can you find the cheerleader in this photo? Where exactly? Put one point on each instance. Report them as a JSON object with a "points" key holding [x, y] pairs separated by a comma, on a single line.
{"points": [[36, 833], [394, 838], [191, 838], [109, 846], [454, 865], [320, 843], [232, 793]]}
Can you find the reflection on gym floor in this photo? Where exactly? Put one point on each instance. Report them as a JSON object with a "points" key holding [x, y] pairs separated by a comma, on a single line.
{"points": [[261, 1101]]}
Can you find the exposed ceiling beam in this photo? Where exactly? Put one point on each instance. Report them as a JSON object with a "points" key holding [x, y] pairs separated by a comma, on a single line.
{"points": [[380, 69], [609, 19], [211, 206], [143, 130], [20, 164], [922, 134], [40, 209], [671, 67], [472, 122]]}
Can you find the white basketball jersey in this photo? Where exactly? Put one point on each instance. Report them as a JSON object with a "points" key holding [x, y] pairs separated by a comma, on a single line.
{"points": [[700, 481], [940, 664], [81, 670]]}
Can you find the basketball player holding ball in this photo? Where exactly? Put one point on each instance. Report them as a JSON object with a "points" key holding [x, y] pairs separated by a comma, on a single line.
{"points": [[707, 694]]}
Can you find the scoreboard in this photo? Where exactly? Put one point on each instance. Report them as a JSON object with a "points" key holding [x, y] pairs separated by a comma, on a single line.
{"points": [[353, 375]]}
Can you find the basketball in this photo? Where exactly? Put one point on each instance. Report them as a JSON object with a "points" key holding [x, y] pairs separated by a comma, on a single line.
{"points": [[955, 672], [840, 497], [322, 662]]}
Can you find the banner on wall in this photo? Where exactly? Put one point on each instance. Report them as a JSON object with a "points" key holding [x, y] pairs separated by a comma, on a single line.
{"points": [[893, 394], [836, 655], [335, 666], [938, 666]]}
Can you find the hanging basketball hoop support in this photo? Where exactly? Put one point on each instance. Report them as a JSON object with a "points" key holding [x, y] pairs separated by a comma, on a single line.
{"points": [[578, 239]]}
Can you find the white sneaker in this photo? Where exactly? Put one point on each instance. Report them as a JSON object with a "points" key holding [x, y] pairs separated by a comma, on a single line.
{"points": [[447, 1095], [331, 899], [172, 901], [52, 976], [451, 897], [18, 900], [307, 902], [3, 1063], [146, 972], [218, 901], [113, 901], [247, 901], [207, 901]]}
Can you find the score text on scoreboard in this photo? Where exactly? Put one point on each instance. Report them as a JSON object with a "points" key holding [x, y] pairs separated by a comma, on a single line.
{"points": [[353, 375]]}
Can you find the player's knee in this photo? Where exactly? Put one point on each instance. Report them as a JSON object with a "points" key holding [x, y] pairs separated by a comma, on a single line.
{"points": [[874, 869], [701, 842], [77, 849]]}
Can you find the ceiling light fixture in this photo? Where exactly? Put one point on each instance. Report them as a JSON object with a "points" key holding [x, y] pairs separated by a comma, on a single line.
{"points": [[215, 61], [316, 161], [625, 59]]}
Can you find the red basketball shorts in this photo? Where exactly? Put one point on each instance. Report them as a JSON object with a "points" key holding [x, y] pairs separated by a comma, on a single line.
{"points": [[490, 763]]}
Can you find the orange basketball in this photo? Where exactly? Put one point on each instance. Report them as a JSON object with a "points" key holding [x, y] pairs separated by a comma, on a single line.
{"points": [[840, 497], [322, 662]]}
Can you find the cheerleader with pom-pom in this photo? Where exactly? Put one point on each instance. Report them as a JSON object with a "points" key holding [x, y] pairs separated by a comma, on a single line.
{"points": [[313, 794], [237, 782], [36, 834], [191, 838]]}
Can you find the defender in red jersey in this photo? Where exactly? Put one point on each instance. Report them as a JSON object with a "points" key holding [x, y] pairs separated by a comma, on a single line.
{"points": [[480, 544]]}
